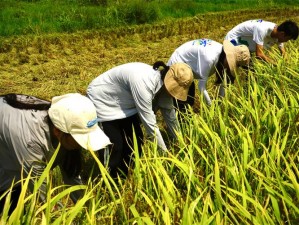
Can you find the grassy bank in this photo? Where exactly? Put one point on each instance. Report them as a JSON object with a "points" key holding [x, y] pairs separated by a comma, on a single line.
{"points": [[18, 17]]}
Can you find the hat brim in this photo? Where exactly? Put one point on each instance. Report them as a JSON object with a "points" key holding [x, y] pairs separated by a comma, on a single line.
{"points": [[94, 140], [229, 50], [174, 89]]}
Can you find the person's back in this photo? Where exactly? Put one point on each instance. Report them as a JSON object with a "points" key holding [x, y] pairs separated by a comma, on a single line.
{"points": [[116, 91], [21, 141], [201, 55]]}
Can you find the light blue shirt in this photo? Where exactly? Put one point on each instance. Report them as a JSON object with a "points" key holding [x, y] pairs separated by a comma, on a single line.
{"points": [[134, 88]]}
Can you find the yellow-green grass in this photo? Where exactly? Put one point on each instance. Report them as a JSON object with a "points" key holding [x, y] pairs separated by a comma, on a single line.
{"points": [[236, 162]]}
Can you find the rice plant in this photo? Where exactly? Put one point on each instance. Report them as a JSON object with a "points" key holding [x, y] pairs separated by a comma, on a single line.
{"points": [[236, 162]]}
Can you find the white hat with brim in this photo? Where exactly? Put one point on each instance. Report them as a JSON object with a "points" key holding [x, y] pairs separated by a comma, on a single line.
{"points": [[178, 80], [236, 55], [94, 140], [75, 114]]}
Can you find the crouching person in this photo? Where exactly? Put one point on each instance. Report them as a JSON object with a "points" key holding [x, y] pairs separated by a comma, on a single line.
{"points": [[30, 132]]}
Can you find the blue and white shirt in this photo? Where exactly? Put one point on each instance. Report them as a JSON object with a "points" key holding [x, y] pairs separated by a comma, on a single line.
{"points": [[253, 32]]}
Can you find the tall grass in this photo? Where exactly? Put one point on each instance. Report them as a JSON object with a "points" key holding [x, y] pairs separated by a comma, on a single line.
{"points": [[236, 163], [19, 17]]}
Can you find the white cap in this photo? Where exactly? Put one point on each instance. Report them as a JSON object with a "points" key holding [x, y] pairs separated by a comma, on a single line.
{"points": [[75, 114]]}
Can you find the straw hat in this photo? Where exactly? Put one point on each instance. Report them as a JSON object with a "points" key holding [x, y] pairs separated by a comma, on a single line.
{"points": [[178, 80], [236, 55]]}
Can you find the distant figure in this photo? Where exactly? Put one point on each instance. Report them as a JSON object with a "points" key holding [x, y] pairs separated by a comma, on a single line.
{"points": [[206, 57], [133, 92], [260, 34], [30, 131]]}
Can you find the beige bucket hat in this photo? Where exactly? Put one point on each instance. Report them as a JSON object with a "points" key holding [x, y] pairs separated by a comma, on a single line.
{"points": [[178, 80], [236, 55]]}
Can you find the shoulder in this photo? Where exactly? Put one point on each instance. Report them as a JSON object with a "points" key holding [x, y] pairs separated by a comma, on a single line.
{"points": [[263, 24]]}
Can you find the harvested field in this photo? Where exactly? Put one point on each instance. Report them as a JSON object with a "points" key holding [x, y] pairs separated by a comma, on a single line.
{"points": [[51, 65]]}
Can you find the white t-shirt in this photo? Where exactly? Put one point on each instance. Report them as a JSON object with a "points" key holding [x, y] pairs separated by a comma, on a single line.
{"points": [[253, 32], [201, 55], [134, 88]]}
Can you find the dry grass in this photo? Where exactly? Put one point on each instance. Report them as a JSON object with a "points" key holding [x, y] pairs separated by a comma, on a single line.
{"points": [[55, 64]]}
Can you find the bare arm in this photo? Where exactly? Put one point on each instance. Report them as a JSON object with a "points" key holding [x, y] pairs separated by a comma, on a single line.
{"points": [[282, 51], [260, 54], [202, 88]]}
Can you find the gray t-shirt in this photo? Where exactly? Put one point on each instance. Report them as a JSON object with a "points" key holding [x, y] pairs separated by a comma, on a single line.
{"points": [[25, 145]]}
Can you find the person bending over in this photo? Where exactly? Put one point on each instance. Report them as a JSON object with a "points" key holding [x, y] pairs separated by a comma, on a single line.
{"points": [[30, 131], [259, 35], [207, 57], [133, 92]]}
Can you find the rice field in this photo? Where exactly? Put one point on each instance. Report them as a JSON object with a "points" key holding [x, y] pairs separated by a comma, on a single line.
{"points": [[236, 162]]}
